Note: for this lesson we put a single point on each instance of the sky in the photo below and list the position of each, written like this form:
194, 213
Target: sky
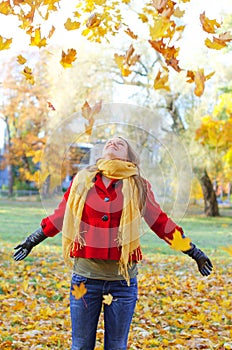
193, 46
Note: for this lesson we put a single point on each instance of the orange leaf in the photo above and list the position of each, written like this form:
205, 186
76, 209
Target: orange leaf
80, 291
174, 63
69, 25
93, 21
67, 59
178, 242
209, 25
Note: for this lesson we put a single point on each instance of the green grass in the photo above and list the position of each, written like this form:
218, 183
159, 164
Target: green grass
19, 219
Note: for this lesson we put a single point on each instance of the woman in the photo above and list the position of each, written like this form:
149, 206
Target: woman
100, 217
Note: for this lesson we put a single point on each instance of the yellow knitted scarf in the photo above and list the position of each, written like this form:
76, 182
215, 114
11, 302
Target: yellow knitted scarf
129, 228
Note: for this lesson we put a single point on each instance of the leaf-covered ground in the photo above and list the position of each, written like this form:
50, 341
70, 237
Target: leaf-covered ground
177, 308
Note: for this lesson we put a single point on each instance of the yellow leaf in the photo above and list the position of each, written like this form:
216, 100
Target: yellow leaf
21, 59
27, 72
5, 8
5, 43
215, 44
161, 81
67, 59
69, 25
36, 39
178, 242
80, 291
178, 13
143, 17
160, 28
107, 299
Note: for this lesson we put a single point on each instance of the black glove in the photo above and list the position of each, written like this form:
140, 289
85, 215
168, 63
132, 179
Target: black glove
26, 246
204, 264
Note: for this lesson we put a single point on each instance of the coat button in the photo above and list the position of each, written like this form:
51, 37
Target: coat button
105, 217
106, 199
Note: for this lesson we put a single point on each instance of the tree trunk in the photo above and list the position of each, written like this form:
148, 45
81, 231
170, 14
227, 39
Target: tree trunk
210, 199
10, 180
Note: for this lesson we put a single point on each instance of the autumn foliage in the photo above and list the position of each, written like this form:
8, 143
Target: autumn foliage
159, 23
176, 308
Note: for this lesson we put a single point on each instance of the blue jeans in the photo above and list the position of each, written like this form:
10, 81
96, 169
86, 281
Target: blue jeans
85, 312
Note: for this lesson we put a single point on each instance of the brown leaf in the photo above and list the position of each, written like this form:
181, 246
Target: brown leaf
131, 34
93, 21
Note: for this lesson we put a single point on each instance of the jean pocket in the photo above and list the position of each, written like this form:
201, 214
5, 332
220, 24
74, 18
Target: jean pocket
78, 279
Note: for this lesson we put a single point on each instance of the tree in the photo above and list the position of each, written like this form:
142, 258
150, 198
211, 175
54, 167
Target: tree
215, 135
24, 111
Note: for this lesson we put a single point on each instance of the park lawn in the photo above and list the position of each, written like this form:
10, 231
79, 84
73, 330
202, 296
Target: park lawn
177, 307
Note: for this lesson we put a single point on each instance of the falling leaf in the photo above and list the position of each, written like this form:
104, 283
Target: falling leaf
199, 78
89, 114
178, 13
93, 21
72, 25
6, 8
220, 42
21, 59
79, 291
36, 39
50, 105
5, 43
51, 32
131, 34
27, 72
160, 28
209, 25
107, 299
161, 81
178, 242
143, 17
68, 59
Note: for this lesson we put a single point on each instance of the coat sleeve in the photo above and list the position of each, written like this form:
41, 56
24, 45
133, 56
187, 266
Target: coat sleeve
52, 224
157, 219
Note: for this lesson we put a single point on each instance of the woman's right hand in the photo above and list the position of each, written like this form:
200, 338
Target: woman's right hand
24, 248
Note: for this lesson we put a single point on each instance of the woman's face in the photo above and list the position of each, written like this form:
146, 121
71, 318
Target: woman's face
115, 148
